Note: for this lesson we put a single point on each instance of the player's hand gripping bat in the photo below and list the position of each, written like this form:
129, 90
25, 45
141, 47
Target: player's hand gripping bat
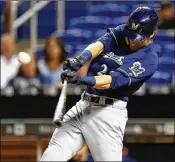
60, 108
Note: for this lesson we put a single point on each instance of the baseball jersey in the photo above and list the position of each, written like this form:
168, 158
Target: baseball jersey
129, 69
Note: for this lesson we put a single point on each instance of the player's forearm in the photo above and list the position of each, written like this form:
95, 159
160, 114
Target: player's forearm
95, 49
105, 86
89, 53
99, 82
103, 81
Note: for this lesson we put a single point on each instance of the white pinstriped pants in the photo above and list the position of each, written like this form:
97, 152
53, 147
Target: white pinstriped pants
101, 127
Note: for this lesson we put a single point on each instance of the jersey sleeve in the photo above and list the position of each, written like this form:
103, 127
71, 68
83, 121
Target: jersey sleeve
132, 73
108, 40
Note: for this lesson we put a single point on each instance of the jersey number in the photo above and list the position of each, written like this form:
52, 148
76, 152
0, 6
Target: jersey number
104, 71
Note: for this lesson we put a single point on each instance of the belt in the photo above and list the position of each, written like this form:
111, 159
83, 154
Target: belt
102, 100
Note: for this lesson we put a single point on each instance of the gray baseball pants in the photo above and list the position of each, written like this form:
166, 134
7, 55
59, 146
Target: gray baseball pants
100, 126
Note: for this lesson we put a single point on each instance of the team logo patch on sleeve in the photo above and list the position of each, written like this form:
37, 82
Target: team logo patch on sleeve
136, 68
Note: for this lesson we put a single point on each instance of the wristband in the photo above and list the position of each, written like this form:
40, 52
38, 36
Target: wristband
86, 80
85, 56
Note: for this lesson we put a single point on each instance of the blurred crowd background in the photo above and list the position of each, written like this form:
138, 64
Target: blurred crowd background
63, 29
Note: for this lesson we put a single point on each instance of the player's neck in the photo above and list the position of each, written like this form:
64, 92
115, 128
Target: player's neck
148, 42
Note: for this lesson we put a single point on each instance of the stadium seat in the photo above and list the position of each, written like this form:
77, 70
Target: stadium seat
166, 63
24, 30
166, 46
118, 21
114, 2
44, 28
70, 50
78, 31
149, 4
80, 47
110, 10
158, 48
75, 35
74, 9
40, 51
90, 22
169, 47
99, 33
127, 2
68, 38
163, 36
160, 78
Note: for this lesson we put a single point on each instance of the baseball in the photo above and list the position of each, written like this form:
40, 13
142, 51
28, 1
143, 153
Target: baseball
24, 58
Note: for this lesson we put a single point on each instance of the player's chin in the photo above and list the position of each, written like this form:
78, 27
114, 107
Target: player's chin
132, 47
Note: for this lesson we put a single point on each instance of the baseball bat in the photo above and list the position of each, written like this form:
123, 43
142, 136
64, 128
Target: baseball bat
60, 108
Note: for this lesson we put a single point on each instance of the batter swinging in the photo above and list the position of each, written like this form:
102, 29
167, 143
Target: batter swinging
120, 62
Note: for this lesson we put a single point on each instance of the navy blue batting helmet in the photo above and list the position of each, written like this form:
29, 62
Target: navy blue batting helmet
141, 24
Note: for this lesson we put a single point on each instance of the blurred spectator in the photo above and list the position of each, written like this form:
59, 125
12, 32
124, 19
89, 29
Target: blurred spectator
166, 16
5, 16
9, 62
51, 66
27, 81
125, 155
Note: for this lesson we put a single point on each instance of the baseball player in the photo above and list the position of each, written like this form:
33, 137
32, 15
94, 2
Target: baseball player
119, 63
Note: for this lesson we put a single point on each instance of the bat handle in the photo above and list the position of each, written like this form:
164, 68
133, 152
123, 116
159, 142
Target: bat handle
57, 121
65, 83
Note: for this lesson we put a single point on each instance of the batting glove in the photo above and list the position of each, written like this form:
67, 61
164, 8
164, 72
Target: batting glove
69, 76
73, 64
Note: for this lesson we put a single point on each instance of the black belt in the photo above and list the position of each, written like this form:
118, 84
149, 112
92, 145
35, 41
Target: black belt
96, 99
